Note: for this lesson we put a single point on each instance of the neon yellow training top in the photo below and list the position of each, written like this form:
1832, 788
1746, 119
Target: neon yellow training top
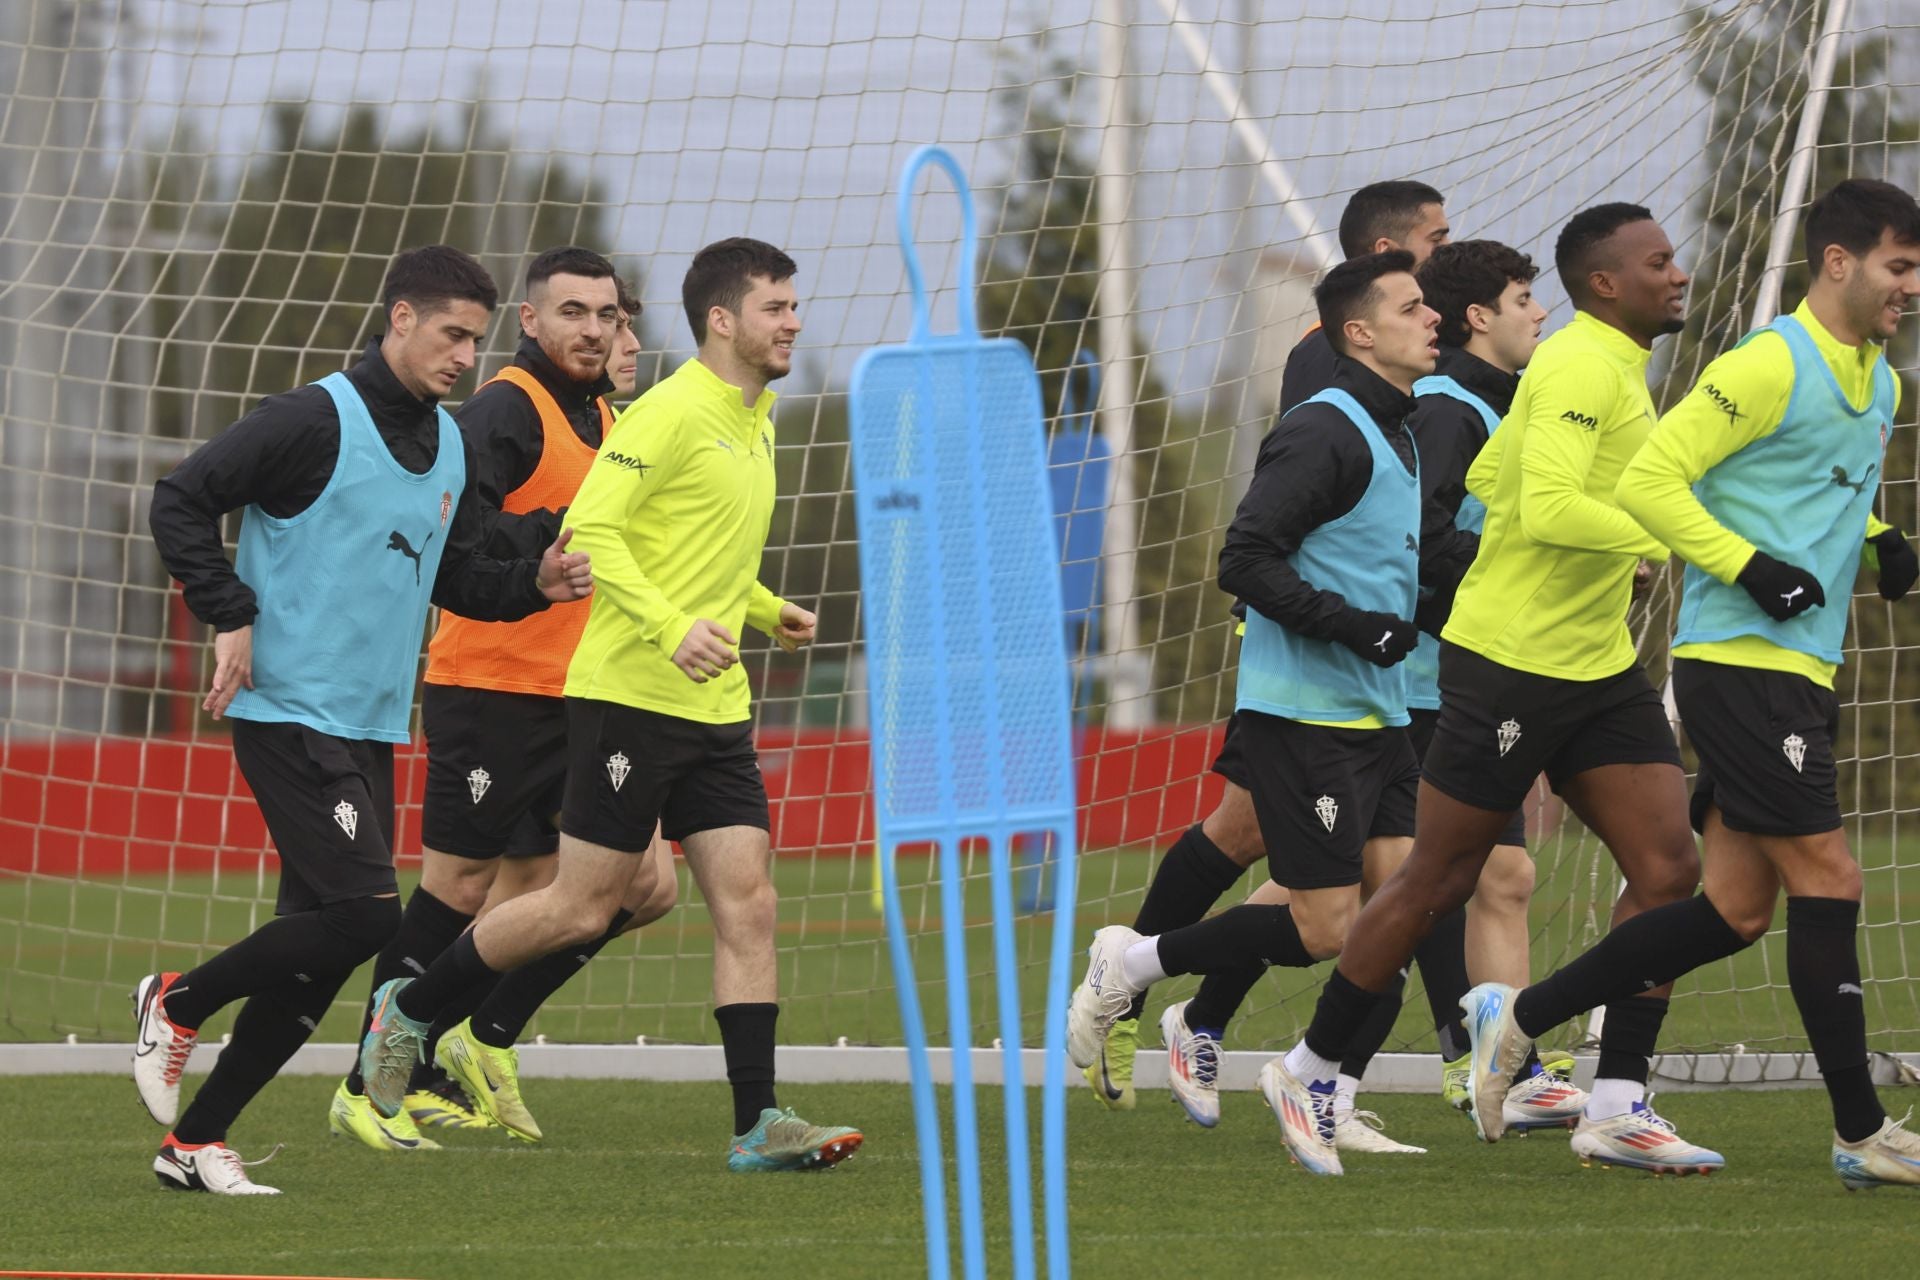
1697, 433
1548, 592
674, 512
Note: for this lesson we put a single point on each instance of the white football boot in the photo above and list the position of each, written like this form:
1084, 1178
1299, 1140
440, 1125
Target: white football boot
1103, 996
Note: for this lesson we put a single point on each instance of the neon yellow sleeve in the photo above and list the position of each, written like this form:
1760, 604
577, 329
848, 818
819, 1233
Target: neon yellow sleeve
1738, 399
763, 608
610, 498
1569, 403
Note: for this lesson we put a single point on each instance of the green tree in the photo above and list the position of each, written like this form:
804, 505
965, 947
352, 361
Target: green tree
1040, 272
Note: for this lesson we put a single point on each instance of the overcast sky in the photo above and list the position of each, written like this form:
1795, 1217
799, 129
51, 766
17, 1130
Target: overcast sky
790, 119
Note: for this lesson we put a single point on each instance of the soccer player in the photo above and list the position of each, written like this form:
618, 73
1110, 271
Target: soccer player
1763, 479
1209, 858
480, 1044
360, 509
1324, 549
1381, 216
1489, 328
492, 709
659, 728
1538, 674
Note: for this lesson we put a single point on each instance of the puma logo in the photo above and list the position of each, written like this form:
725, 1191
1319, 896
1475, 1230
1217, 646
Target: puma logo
1412, 545
397, 541
1858, 486
1381, 643
1788, 596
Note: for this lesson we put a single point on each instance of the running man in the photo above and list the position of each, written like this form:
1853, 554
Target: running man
1538, 673
1324, 549
360, 510
1209, 858
492, 710
659, 729
474, 1038
1489, 329
1763, 479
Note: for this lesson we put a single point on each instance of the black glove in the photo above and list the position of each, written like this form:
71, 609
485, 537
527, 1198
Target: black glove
1899, 567
1380, 638
1783, 591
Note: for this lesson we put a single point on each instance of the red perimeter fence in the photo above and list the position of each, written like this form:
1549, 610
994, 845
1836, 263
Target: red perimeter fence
118, 806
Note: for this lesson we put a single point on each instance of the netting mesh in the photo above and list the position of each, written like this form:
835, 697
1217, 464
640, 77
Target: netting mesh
197, 200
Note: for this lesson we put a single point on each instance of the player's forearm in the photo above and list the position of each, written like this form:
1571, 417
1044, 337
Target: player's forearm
763, 608
188, 538
1657, 491
1556, 516
1272, 587
478, 585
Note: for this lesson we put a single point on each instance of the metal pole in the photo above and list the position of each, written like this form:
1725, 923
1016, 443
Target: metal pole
1279, 179
1127, 683
1793, 192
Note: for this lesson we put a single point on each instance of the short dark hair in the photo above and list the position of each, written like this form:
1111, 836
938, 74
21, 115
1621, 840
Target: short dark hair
1577, 251
624, 297
1353, 288
1470, 273
433, 277
567, 260
722, 275
1388, 209
1855, 213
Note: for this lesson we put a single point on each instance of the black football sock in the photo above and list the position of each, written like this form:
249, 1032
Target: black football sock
1238, 936
336, 938
1343, 1009
1374, 1031
427, 928
1627, 1038
427, 1072
519, 995
1823, 969
1220, 997
1186, 884
1443, 972
746, 1041
272, 1025
453, 971
1648, 951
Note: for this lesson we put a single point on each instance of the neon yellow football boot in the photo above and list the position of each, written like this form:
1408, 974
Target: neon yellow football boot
491, 1077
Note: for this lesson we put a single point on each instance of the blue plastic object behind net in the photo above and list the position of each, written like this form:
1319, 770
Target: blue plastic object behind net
969, 701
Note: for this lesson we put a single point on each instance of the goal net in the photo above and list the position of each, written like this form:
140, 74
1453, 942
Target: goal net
198, 199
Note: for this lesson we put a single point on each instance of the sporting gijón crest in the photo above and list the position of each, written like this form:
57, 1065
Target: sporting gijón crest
348, 817
477, 782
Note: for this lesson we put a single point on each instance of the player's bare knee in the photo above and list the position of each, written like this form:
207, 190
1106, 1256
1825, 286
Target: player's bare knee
750, 911
653, 902
1506, 882
1667, 879
1234, 828
460, 883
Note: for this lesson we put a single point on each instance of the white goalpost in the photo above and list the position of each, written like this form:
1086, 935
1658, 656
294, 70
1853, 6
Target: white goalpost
197, 200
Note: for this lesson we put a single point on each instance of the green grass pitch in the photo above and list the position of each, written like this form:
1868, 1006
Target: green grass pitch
632, 1181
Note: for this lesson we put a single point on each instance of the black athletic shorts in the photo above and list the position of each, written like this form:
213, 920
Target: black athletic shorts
328, 803
1765, 740
628, 768
1320, 794
1420, 727
1500, 728
496, 771
1230, 764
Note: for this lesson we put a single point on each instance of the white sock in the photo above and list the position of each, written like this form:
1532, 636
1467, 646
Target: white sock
1308, 1067
1612, 1098
1343, 1090
1141, 964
